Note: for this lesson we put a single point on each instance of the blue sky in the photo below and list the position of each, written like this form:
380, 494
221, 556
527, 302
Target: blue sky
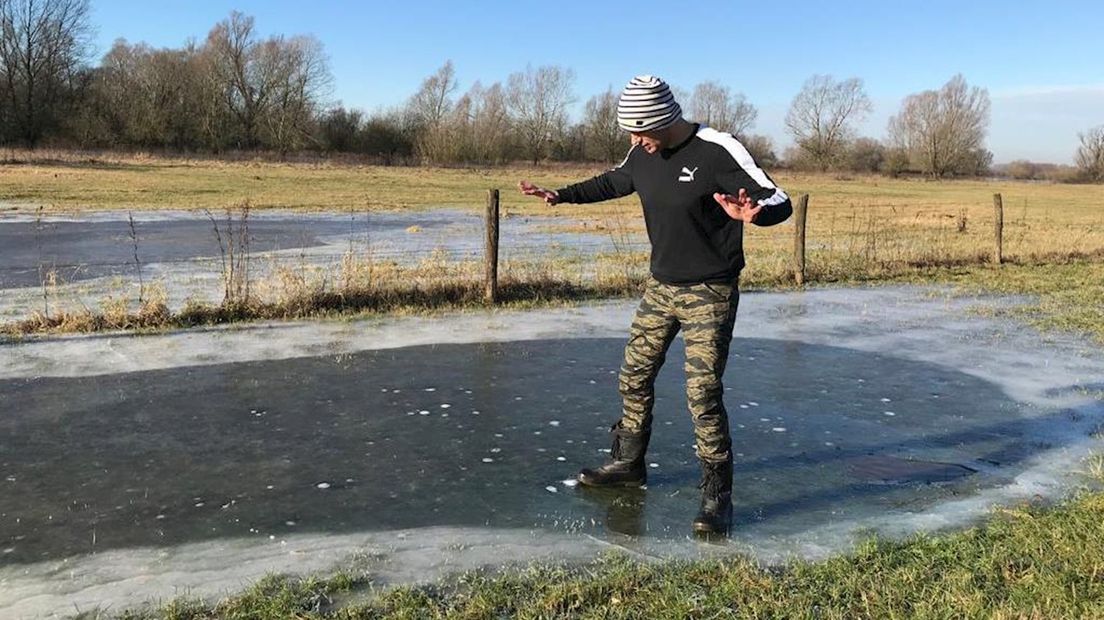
1043, 63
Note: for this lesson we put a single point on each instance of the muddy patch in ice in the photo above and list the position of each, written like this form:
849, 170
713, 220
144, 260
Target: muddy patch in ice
880, 469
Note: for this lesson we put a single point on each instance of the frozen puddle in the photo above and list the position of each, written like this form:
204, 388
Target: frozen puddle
135, 468
93, 254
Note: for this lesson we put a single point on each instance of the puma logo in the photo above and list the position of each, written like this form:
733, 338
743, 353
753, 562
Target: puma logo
687, 174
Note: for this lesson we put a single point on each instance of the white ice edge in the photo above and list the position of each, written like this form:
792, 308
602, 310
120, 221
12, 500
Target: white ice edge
912, 323
919, 324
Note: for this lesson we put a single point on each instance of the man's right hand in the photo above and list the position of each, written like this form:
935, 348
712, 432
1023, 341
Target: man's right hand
549, 196
739, 207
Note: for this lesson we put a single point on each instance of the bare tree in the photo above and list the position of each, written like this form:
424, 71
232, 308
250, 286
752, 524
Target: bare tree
433, 101
570, 143
299, 76
1090, 155
219, 126
1021, 169
446, 140
489, 122
719, 108
118, 111
475, 129
231, 46
537, 100
761, 149
174, 93
978, 162
130, 93
43, 43
269, 86
605, 140
7, 66
821, 117
202, 121
148, 97
429, 108
943, 131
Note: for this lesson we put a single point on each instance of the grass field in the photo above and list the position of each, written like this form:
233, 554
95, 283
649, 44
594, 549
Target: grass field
63, 180
860, 229
877, 218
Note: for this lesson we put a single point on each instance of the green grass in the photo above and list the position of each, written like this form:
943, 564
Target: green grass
1070, 296
1025, 562
1060, 297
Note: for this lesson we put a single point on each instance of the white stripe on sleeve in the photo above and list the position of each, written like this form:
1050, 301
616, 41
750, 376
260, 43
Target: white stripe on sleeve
627, 155
745, 161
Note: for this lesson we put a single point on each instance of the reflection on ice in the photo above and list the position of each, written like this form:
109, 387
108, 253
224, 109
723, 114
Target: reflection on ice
232, 448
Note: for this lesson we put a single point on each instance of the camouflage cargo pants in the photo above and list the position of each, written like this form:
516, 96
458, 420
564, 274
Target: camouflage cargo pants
705, 313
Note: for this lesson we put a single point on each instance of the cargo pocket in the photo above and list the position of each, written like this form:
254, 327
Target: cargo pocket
720, 291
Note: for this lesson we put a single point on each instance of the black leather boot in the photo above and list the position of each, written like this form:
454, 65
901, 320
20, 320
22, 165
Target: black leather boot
627, 468
715, 515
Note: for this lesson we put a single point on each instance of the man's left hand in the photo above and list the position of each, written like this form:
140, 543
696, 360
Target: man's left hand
739, 207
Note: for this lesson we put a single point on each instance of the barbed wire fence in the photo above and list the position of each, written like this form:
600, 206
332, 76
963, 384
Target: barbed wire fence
821, 245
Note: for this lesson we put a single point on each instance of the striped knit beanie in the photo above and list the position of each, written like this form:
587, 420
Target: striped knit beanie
647, 104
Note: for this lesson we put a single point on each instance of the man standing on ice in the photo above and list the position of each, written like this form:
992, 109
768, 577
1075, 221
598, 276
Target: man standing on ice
698, 187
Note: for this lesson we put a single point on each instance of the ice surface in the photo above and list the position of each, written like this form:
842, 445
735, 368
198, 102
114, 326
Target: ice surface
137, 466
93, 254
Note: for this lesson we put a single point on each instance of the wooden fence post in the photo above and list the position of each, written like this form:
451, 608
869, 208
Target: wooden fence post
998, 229
490, 291
801, 209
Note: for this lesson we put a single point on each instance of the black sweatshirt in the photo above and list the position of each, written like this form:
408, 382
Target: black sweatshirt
693, 239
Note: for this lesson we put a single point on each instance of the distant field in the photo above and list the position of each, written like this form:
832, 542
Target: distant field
70, 182
133, 183
870, 223
860, 228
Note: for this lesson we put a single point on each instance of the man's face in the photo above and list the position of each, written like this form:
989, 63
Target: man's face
650, 141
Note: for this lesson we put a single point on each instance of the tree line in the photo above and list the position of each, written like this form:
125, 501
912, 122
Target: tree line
235, 90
